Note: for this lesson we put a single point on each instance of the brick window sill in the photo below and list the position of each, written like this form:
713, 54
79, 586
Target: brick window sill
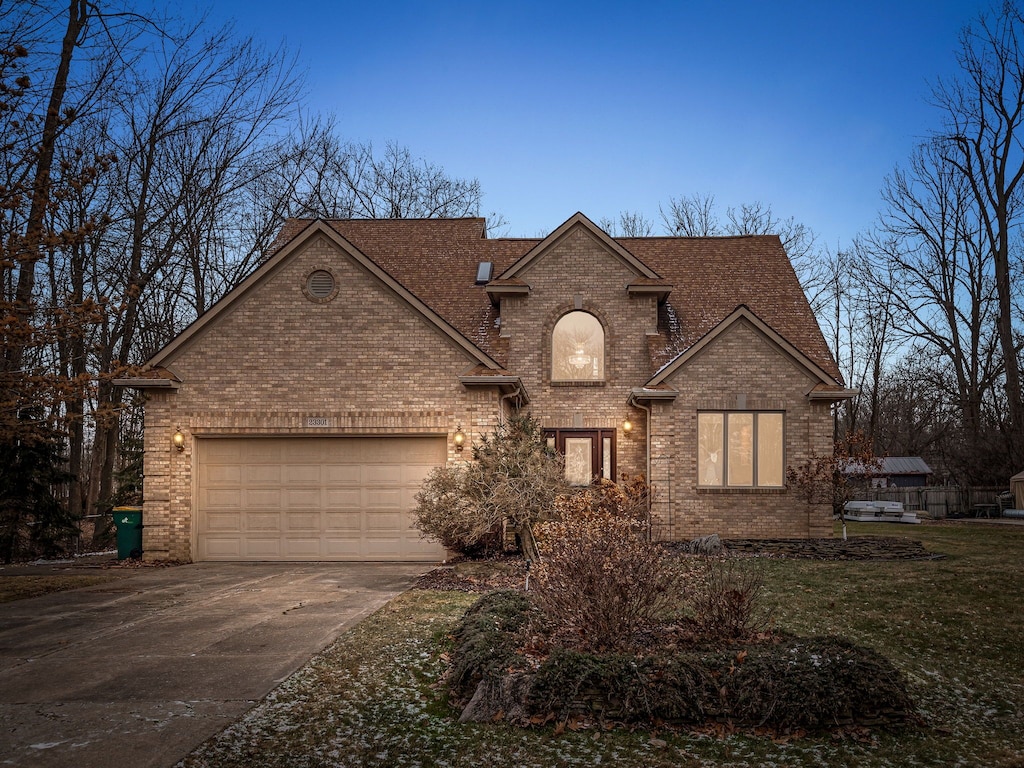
744, 491
578, 383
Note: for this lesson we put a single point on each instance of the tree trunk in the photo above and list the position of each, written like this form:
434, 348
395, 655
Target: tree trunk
30, 253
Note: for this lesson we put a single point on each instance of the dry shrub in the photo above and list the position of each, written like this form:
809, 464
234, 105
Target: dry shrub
727, 600
601, 581
787, 684
444, 513
513, 480
486, 641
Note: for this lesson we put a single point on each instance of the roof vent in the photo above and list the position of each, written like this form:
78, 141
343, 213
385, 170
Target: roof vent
483, 272
320, 285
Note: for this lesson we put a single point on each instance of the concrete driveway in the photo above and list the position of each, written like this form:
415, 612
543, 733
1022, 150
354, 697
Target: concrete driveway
140, 670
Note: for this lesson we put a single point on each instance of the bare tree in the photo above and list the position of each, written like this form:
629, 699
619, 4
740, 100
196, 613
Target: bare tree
186, 122
628, 224
697, 216
691, 216
929, 257
318, 174
981, 136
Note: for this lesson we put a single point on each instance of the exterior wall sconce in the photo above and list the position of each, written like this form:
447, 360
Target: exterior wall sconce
178, 440
627, 426
459, 438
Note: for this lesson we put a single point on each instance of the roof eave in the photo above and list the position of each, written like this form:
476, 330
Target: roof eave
644, 393
833, 395
660, 291
508, 384
142, 383
497, 292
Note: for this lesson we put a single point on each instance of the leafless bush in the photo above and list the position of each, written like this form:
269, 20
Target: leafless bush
513, 480
444, 513
601, 580
727, 600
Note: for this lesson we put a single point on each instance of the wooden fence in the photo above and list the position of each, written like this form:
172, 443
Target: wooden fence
934, 501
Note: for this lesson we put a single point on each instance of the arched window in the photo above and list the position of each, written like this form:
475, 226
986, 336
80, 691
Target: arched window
577, 348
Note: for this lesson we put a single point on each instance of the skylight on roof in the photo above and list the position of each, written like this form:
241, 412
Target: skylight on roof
483, 272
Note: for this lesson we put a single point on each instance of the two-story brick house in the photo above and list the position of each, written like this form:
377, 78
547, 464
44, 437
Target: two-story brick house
296, 419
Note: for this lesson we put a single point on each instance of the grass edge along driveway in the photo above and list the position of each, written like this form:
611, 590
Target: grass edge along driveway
375, 698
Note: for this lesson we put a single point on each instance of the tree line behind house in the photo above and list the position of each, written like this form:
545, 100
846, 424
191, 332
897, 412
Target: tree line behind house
148, 164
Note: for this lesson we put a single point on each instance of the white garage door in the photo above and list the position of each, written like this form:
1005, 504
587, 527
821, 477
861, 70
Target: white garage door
313, 498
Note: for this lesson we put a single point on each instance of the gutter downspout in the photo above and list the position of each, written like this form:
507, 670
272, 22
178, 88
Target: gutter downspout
650, 494
501, 402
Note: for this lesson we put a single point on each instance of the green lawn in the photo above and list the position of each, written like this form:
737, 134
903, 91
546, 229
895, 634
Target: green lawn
953, 626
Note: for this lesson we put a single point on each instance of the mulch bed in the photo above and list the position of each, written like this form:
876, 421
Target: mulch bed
510, 573
503, 573
853, 548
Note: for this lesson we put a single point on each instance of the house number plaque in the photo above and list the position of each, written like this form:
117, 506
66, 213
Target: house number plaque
318, 421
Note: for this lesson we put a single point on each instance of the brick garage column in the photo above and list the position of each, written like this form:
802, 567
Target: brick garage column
156, 468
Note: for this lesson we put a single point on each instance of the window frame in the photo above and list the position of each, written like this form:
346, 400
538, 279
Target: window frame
555, 377
755, 450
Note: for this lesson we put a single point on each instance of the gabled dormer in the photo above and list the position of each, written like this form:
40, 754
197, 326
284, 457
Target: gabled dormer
513, 281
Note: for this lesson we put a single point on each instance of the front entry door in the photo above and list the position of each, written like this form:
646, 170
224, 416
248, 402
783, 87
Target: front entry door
589, 453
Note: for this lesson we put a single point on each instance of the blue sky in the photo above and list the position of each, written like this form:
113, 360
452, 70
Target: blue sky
601, 107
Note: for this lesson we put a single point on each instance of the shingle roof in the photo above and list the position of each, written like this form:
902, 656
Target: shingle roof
437, 259
905, 465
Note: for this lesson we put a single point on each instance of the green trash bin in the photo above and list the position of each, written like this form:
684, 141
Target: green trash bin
129, 532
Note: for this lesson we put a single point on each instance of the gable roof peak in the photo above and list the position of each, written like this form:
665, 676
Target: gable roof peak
579, 221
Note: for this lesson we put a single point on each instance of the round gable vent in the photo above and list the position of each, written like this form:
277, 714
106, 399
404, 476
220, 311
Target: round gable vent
320, 285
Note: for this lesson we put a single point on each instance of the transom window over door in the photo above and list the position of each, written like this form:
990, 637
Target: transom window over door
589, 453
577, 348
739, 449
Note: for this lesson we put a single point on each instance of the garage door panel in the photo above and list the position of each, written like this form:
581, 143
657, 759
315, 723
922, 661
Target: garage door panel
217, 548
342, 474
261, 475
302, 521
261, 497
222, 451
377, 498
417, 548
222, 474
415, 473
263, 521
301, 549
313, 498
343, 521
382, 474
386, 521
408, 497
343, 498
261, 451
222, 498
301, 498
343, 548
300, 474
383, 547
224, 522
257, 548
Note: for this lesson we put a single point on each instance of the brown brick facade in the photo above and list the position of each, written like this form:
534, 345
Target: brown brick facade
365, 361
740, 371
369, 360
579, 273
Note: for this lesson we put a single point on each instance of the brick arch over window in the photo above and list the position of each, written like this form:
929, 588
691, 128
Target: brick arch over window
578, 348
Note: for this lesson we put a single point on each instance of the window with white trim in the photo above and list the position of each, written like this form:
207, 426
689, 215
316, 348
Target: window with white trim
740, 449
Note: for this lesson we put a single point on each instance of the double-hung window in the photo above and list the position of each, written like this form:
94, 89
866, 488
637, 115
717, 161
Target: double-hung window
740, 449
